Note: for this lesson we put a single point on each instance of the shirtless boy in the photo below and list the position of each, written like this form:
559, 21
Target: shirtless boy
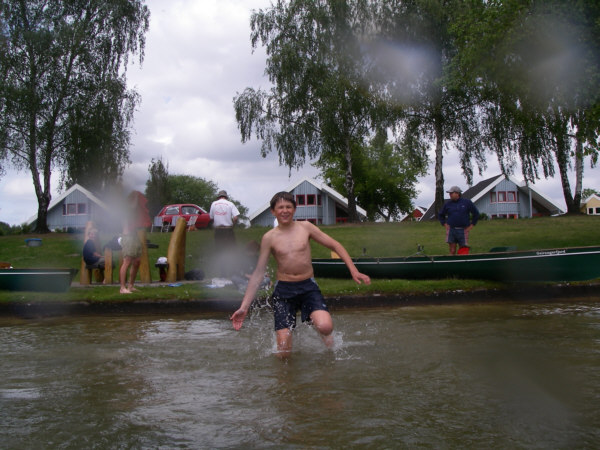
295, 289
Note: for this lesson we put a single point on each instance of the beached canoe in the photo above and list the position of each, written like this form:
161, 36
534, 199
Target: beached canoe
561, 264
42, 280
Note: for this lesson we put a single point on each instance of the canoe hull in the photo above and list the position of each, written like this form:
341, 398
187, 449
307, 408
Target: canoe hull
566, 264
41, 280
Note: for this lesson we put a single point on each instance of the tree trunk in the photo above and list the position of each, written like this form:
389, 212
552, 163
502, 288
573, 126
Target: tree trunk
562, 159
42, 193
439, 173
578, 172
352, 214
41, 225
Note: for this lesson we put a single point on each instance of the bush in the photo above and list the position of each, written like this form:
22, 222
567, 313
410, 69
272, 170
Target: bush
6, 229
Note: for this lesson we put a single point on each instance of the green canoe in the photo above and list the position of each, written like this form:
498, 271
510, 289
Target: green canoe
42, 280
561, 264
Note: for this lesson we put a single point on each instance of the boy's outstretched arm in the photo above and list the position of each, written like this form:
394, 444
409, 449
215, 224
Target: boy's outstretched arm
327, 241
237, 318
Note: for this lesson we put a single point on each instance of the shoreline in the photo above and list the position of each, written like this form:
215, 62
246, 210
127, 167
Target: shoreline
225, 306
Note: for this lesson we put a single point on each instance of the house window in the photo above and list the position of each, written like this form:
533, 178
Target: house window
301, 200
504, 216
597, 210
73, 209
311, 199
503, 197
319, 200
590, 211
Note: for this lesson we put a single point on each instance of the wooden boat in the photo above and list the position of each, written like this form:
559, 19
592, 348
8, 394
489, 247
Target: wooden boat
560, 264
42, 280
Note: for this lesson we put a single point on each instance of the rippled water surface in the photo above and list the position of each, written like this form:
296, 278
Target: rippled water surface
477, 376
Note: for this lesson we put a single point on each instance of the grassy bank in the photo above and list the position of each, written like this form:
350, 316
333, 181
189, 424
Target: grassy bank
377, 239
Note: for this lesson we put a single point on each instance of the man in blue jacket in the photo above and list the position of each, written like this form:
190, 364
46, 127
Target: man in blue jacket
459, 215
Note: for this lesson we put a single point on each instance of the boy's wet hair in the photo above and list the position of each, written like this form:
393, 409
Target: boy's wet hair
286, 196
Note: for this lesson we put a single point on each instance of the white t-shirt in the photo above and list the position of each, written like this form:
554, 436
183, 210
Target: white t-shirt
222, 212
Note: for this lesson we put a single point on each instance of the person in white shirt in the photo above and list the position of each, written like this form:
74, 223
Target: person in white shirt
223, 215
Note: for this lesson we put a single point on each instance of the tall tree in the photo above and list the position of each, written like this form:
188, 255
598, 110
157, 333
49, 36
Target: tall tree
537, 65
97, 149
190, 189
158, 189
386, 176
202, 192
60, 62
322, 101
415, 54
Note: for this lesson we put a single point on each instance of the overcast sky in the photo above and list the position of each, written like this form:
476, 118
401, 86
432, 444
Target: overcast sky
197, 57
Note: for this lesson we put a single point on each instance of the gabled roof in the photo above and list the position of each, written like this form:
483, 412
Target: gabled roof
73, 188
586, 201
474, 193
409, 216
322, 186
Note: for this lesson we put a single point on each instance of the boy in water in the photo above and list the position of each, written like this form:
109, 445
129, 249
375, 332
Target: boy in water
289, 242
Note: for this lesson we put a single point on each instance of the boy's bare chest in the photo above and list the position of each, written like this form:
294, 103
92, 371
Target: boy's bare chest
291, 243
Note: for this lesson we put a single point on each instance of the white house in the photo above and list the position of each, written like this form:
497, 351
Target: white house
74, 208
591, 205
315, 202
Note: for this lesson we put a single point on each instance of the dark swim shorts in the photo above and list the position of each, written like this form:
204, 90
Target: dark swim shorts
291, 296
457, 236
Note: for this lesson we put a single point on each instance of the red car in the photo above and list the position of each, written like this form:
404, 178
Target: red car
193, 215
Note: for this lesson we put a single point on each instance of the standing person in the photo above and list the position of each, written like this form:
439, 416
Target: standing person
295, 288
131, 247
459, 215
224, 215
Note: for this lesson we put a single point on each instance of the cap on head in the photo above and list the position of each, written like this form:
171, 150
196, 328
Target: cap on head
222, 194
454, 189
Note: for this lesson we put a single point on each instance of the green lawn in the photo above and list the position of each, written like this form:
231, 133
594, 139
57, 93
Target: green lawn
374, 239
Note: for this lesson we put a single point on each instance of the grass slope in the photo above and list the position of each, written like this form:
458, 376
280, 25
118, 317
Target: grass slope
372, 239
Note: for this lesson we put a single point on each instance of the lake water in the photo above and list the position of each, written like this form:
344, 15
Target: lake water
471, 376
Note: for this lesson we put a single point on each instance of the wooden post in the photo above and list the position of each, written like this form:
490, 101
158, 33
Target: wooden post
144, 271
108, 266
176, 252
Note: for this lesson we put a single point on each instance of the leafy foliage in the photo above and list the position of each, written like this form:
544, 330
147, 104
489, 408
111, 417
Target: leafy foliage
6, 229
417, 52
536, 66
320, 102
190, 189
386, 175
164, 189
158, 191
63, 100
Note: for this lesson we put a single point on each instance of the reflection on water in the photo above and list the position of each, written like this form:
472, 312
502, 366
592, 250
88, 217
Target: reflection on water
499, 375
